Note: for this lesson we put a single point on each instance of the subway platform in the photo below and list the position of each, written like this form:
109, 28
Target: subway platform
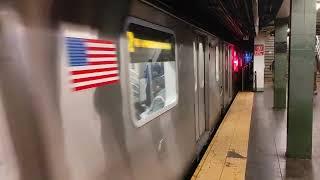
137, 89
266, 144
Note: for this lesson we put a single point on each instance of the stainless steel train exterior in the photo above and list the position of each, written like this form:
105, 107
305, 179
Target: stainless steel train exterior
49, 131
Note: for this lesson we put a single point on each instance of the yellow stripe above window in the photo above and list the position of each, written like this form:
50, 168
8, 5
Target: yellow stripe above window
142, 43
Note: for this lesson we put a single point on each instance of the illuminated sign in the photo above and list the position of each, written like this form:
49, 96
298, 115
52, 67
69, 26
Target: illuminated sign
247, 57
259, 50
235, 60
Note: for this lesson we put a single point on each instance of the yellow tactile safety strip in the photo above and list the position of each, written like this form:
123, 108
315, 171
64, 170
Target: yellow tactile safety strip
226, 156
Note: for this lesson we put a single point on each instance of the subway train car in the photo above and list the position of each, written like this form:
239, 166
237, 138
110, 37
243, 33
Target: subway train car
131, 93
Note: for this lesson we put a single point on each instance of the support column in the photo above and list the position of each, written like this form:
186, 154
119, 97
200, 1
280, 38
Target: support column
301, 68
280, 64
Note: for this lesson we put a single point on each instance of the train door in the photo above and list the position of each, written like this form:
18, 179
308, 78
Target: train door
199, 70
230, 60
213, 92
222, 56
225, 77
219, 55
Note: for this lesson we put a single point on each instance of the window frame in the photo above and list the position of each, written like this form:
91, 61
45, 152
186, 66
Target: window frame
143, 121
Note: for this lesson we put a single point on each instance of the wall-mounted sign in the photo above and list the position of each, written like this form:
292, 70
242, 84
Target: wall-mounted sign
259, 50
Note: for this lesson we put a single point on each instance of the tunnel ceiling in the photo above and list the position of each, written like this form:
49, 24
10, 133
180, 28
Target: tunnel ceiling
230, 19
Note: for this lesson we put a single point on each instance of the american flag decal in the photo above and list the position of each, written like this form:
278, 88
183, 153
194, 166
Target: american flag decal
92, 62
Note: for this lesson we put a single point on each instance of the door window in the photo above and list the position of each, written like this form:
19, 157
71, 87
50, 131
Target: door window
152, 71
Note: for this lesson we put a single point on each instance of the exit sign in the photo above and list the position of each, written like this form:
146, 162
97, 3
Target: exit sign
259, 50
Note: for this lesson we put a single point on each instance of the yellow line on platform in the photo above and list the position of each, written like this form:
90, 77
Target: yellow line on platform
226, 156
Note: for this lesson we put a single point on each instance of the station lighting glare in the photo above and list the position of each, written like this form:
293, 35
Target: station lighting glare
288, 30
318, 6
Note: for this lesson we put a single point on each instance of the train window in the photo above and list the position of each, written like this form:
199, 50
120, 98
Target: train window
152, 71
217, 63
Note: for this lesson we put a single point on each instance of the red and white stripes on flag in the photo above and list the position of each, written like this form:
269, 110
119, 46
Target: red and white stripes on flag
92, 62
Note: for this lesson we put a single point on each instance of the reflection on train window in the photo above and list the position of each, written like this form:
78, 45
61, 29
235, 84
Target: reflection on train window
152, 71
217, 63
